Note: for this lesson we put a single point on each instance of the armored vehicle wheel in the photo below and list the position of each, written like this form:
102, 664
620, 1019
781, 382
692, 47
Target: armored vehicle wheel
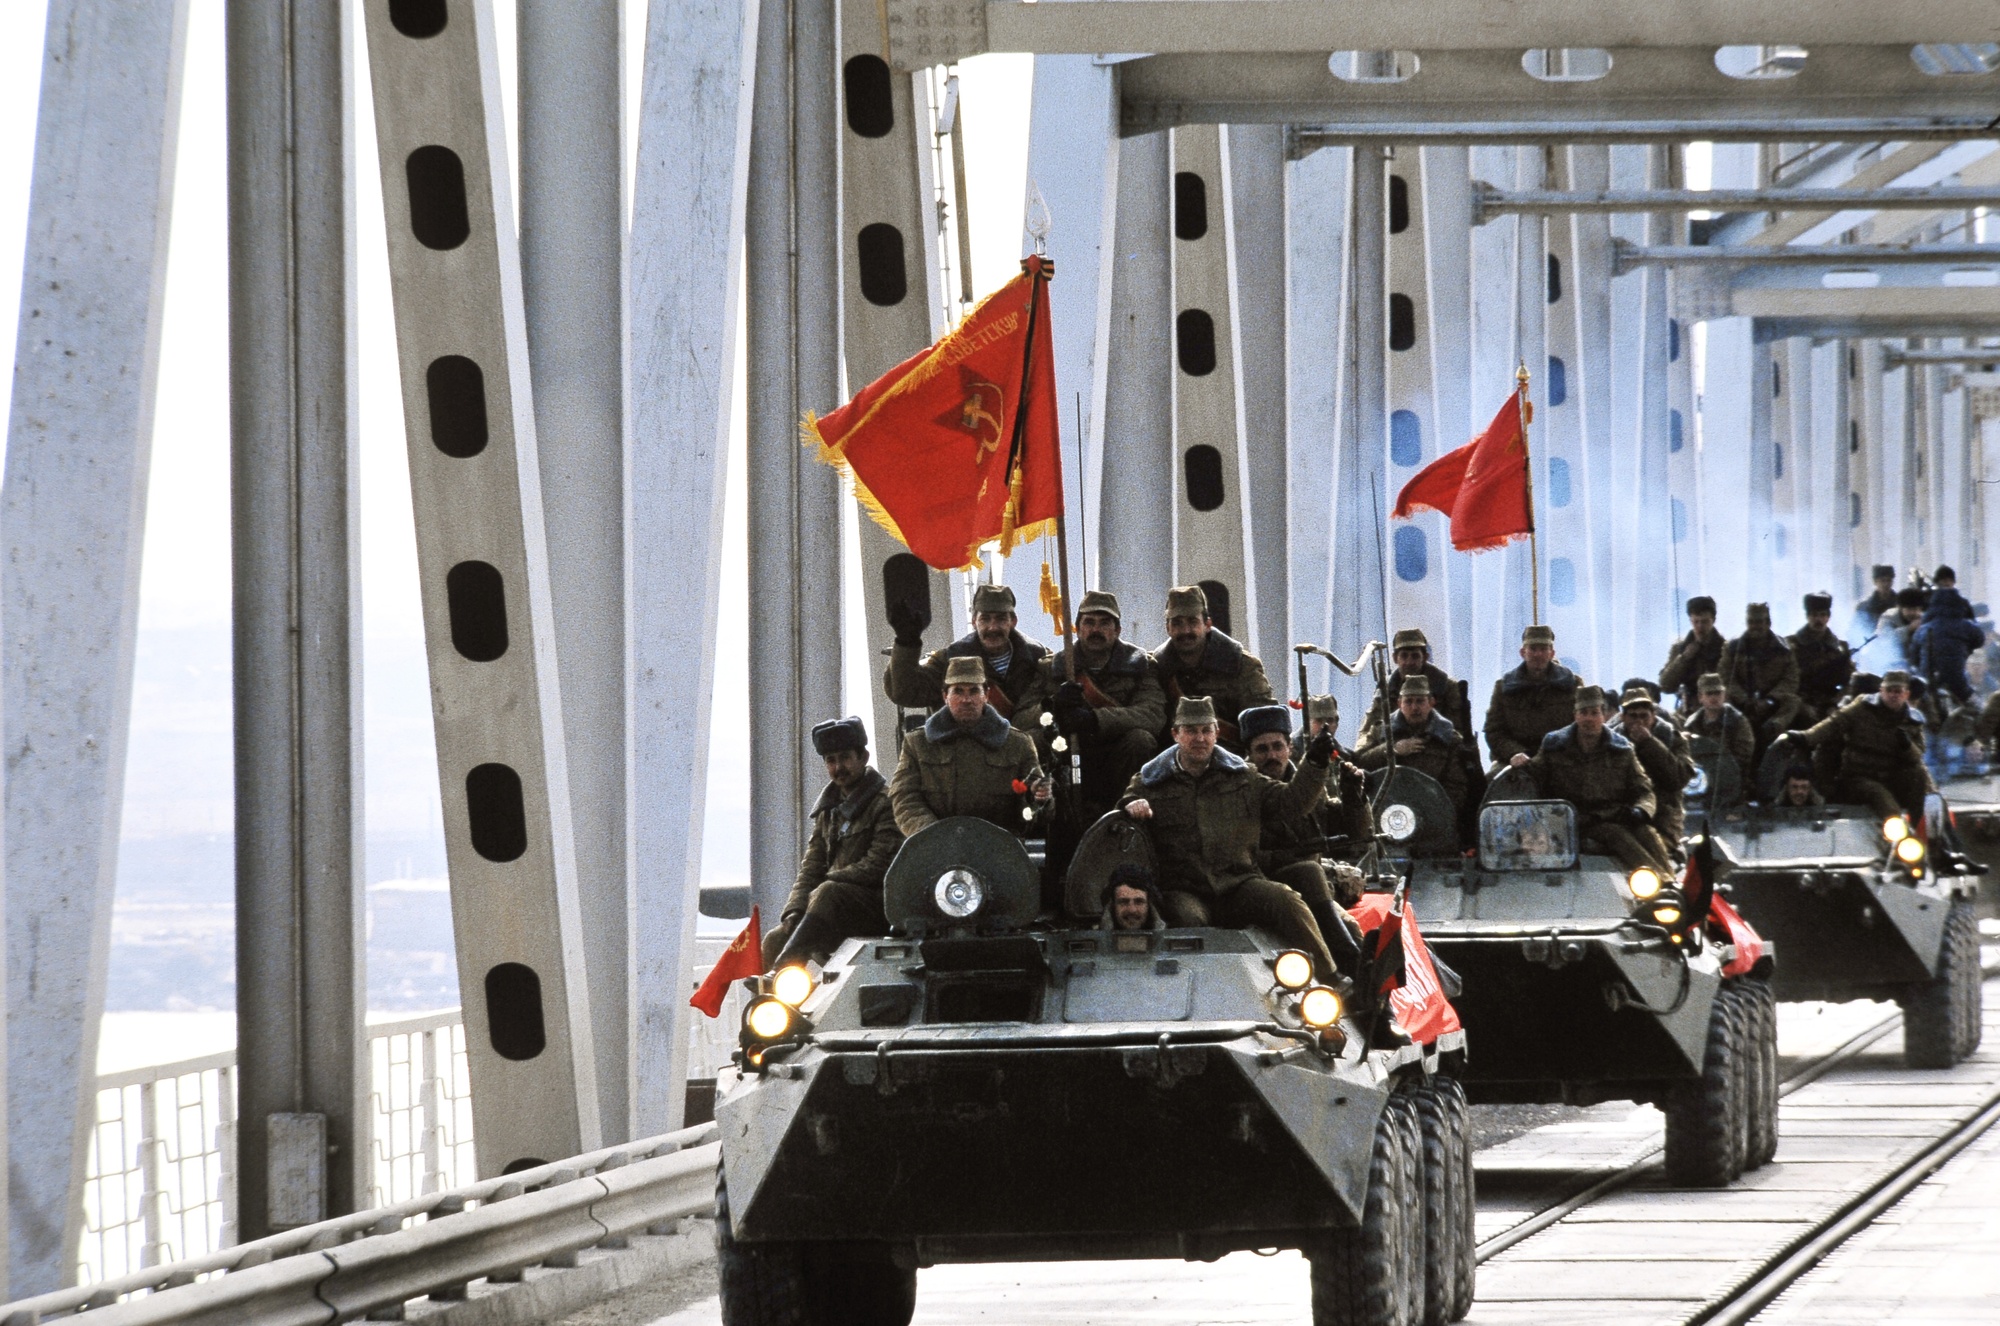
1934, 1030
1967, 931
1704, 1114
1411, 1278
1761, 1061
788, 1284
1448, 1202
1356, 1272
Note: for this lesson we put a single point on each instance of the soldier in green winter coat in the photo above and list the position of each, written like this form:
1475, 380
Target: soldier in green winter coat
1012, 665
1197, 661
966, 760
838, 892
1597, 771
1881, 740
1529, 702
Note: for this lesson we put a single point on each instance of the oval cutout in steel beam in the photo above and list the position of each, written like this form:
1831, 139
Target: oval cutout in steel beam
1760, 61
477, 598
871, 101
497, 816
883, 271
438, 216
418, 18
1190, 205
455, 390
1573, 64
1202, 466
1373, 66
514, 1021
1194, 342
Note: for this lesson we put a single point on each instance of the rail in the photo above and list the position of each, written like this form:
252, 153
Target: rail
372, 1263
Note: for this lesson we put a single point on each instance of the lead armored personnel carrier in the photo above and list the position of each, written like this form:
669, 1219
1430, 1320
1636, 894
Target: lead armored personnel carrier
1584, 982
977, 1086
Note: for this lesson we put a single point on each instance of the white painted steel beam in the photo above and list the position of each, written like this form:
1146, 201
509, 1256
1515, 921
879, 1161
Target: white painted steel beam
684, 303
1316, 339
72, 516
1489, 202
1803, 255
1211, 510
301, 941
1359, 569
572, 149
1257, 222
1447, 181
489, 624
1577, 429
1418, 551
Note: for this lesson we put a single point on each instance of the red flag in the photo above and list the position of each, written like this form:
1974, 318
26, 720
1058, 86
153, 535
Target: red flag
958, 444
1416, 996
743, 957
1482, 486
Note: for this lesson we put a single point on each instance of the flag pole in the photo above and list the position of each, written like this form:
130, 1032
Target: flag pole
1534, 546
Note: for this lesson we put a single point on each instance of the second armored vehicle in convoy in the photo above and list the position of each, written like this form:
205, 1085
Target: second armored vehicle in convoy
983, 1085
1585, 982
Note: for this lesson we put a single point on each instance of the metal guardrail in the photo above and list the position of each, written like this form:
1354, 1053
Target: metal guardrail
373, 1262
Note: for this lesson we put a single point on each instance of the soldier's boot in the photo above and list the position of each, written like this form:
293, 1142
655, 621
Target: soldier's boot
813, 940
1339, 932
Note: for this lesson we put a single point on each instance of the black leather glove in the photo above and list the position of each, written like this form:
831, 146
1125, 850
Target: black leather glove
1635, 817
906, 622
1082, 720
1320, 749
1069, 695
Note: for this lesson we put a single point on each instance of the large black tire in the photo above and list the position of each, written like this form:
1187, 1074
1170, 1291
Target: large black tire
1468, 1211
1410, 1124
1356, 1272
1704, 1114
762, 1284
1971, 979
871, 1291
1448, 1254
1762, 1058
1934, 1018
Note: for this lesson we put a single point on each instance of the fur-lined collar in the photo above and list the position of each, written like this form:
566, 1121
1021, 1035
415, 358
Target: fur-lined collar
991, 731
1026, 651
1559, 678
1440, 727
1167, 763
1219, 654
1911, 714
1564, 737
850, 806
1126, 659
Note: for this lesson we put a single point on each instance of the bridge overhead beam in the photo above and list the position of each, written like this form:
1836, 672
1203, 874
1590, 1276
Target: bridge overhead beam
1489, 202
1825, 257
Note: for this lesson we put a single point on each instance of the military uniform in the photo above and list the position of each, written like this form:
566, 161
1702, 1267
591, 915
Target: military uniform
1669, 764
1762, 676
1612, 795
1825, 663
1525, 708
1730, 728
1988, 726
1690, 657
838, 891
1113, 711
1882, 754
1442, 756
947, 770
1869, 611
1447, 691
1017, 694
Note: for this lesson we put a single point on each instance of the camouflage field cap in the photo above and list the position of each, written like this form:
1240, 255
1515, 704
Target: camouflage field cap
1636, 696
1591, 697
1701, 603
1819, 602
1260, 719
1325, 708
1187, 601
1710, 683
1895, 677
839, 734
1757, 614
1538, 635
1194, 711
965, 670
1415, 688
1100, 600
993, 598
1410, 639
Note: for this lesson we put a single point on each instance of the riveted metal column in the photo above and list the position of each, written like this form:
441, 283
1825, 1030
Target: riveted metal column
1136, 520
686, 264
489, 628
72, 514
1419, 549
1317, 211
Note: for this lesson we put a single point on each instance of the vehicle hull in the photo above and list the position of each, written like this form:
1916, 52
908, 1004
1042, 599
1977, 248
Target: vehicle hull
1842, 934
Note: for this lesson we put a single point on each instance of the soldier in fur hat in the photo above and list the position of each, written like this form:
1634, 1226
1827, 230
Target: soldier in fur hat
1697, 652
1412, 651
838, 892
1869, 611
1825, 662
1016, 680
1106, 698
966, 760
1196, 661
1293, 851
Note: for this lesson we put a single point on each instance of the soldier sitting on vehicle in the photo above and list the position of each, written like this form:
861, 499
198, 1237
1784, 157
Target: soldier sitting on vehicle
966, 760
1596, 770
1824, 659
1107, 699
1880, 600
1664, 755
1882, 749
1422, 739
1530, 701
1762, 676
1721, 722
1412, 652
1798, 790
1016, 683
838, 892
1196, 660
1293, 850
1697, 652
1131, 900
1207, 809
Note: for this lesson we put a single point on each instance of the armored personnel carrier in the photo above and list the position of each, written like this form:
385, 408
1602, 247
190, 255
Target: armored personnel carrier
981, 1086
1584, 982
1862, 909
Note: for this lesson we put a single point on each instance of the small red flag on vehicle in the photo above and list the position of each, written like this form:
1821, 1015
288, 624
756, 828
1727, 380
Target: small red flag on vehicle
1482, 486
744, 957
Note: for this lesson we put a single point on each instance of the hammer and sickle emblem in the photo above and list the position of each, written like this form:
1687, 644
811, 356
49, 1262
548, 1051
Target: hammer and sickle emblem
975, 417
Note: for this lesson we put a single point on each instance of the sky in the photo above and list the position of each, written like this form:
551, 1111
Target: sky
180, 710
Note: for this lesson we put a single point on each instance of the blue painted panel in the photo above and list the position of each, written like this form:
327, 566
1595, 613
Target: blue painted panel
1779, 544
1413, 556
1558, 381
1777, 460
1680, 521
1562, 582
1558, 481
1676, 431
1406, 437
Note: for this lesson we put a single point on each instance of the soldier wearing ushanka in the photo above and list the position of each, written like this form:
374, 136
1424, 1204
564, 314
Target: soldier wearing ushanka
1825, 662
1697, 652
838, 892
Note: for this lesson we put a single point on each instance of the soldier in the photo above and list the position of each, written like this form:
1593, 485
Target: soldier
1293, 850
1529, 702
1412, 652
1870, 610
1882, 749
1825, 662
1799, 791
1899, 623
1663, 753
1131, 900
1762, 676
1207, 809
1695, 653
1196, 661
1946, 638
966, 760
1721, 721
838, 892
1597, 771
1345, 814
1422, 738
1106, 699
1016, 682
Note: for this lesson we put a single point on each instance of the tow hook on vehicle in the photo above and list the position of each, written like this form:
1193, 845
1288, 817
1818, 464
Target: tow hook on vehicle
1553, 952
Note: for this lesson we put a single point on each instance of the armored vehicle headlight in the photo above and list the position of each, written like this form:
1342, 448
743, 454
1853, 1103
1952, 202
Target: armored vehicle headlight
959, 893
1399, 823
792, 985
1910, 851
1644, 882
1319, 1007
1895, 828
1293, 969
1667, 914
768, 1019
